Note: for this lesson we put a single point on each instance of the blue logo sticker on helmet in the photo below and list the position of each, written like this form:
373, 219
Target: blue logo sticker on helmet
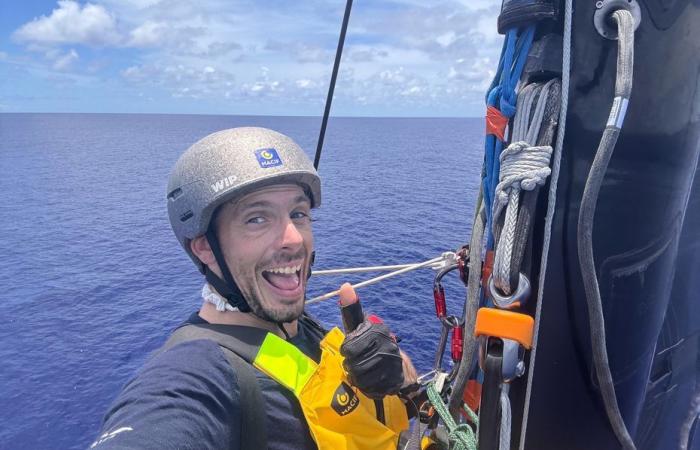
268, 157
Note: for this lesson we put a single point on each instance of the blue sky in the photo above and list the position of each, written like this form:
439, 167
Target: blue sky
402, 57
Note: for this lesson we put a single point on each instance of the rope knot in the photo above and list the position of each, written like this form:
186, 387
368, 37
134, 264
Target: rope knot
462, 437
523, 167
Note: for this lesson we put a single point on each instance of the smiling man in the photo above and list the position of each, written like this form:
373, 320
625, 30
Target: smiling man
270, 230
250, 370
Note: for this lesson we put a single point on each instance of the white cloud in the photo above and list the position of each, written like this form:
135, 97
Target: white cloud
64, 61
181, 80
137, 4
398, 52
413, 90
263, 86
302, 52
133, 73
357, 53
446, 39
70, 23
149, 34
304, 83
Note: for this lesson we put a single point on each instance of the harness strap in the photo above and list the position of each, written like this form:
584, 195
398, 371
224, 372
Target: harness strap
239, 350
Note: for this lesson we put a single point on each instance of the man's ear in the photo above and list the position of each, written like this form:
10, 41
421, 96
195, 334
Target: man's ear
201, 249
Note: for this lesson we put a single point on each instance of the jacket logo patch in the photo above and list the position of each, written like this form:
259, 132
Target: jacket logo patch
344, 400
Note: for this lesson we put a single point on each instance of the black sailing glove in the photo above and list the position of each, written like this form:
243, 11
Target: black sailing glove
372, 359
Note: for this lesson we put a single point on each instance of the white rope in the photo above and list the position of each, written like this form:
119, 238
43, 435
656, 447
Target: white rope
437, 265
551, 207
523, 167
444, 257
209, 295
504, 436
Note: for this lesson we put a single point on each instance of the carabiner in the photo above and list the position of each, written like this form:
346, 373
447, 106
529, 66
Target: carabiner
439, 291
449, 323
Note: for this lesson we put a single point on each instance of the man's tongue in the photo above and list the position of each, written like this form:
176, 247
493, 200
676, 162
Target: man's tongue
283, 281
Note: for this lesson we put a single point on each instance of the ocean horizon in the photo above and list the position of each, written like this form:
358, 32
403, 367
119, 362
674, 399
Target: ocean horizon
95, 279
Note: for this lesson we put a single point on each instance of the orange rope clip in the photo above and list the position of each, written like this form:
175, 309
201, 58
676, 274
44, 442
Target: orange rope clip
505, 324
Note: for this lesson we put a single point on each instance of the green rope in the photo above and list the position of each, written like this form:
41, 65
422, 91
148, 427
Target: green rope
461, 436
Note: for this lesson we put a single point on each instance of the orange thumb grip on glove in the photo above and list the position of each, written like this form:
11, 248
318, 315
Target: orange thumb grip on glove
350, 308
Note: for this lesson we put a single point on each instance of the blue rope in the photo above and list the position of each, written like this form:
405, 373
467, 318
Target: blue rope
501, 95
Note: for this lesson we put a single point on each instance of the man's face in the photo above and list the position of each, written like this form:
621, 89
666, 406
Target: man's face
267, 242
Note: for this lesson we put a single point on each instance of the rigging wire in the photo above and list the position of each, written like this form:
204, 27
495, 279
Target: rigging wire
331, 88
437, 265
447, 256
551, 207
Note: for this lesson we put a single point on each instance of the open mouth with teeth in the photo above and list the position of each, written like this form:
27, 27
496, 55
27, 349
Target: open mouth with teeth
285, 280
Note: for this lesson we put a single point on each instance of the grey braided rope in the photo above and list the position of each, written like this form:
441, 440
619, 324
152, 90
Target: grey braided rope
504, 435
523, 167
471, 306
623, 89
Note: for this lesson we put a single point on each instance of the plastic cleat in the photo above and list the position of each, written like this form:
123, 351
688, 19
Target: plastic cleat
505, 324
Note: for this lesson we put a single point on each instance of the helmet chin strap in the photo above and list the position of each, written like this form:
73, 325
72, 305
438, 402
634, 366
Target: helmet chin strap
227, 287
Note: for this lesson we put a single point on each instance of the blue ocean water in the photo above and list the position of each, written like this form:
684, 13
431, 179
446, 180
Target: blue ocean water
93, 279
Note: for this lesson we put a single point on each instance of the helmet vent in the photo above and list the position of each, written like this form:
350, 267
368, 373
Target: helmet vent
175, 194
186, 216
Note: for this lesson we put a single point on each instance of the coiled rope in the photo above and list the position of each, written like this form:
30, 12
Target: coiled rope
524, 167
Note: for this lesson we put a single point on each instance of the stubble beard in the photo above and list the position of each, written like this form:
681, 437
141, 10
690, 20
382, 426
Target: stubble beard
276, 314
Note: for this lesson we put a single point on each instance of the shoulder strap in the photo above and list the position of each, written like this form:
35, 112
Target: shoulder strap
243, 341
313, 325
239, 347
253, 417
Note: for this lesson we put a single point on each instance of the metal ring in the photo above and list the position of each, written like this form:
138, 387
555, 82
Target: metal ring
450, 321
604, 11
512, 365
521, 294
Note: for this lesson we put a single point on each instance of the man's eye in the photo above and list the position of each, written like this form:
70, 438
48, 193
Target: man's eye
256, 220
300, 215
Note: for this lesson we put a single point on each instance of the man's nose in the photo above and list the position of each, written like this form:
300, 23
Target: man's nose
291, 237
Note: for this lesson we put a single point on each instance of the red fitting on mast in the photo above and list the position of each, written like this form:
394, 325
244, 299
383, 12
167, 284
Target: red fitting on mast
440, 304
457, 343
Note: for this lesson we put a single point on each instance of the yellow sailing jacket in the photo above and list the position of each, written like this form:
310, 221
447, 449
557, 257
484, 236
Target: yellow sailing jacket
339, 416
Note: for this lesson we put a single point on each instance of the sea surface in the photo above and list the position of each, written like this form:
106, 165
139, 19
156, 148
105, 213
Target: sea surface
93, 279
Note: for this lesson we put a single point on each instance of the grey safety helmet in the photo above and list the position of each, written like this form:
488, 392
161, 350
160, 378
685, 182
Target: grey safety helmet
224, 166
